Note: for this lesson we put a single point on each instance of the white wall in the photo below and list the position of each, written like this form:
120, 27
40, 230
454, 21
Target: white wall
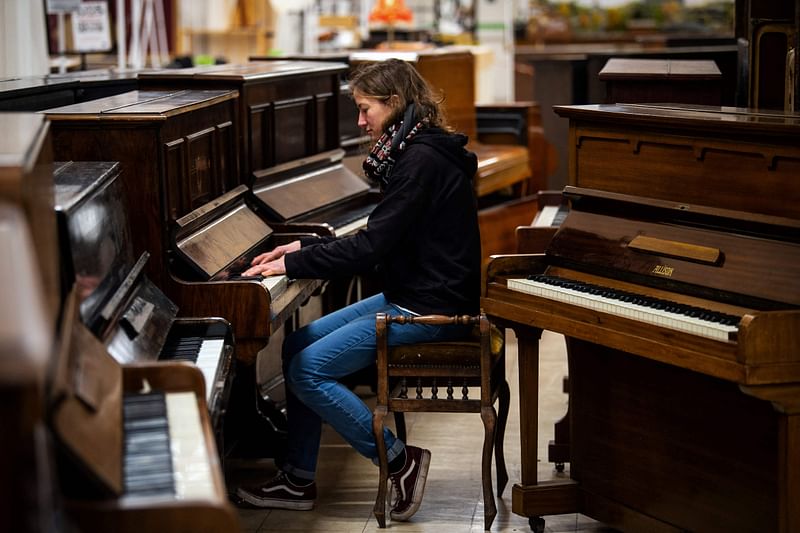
23, 41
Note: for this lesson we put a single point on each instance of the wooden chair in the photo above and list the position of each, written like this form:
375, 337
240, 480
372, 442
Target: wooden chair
439, 377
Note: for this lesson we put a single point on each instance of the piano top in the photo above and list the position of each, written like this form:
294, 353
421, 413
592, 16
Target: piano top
731, 119
33, 84
20, 150
140, 105
248, 72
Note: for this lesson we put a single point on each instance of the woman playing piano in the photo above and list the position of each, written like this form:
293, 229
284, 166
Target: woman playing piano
422, 240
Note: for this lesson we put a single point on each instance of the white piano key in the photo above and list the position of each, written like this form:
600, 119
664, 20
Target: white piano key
191, 460
546, 216
667, 319
208, 360
275, 285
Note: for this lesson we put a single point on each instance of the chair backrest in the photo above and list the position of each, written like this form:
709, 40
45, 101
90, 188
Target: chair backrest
463, 363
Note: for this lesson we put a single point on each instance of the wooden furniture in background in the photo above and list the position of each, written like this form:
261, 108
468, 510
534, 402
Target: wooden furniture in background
438, 377
236, 33
694, 81
770, 32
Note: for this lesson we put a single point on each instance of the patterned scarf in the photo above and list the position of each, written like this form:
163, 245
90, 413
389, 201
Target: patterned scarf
381, 158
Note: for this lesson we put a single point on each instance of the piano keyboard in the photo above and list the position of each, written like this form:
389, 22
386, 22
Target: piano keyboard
165, 454
204, 352
671, 315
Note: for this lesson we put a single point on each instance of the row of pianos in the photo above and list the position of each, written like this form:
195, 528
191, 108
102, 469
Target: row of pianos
130, 340
669, 264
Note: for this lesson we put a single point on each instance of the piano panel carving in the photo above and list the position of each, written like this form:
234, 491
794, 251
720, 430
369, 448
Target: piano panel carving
681, 317
286, 109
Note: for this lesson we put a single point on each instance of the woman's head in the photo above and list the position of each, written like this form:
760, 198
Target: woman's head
383, 89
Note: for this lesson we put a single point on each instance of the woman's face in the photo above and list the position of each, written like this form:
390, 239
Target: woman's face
372, 114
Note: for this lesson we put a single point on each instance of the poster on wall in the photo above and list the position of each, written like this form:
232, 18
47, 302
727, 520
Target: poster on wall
78, 27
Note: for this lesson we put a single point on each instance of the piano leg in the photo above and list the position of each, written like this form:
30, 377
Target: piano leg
531, 497
558, 449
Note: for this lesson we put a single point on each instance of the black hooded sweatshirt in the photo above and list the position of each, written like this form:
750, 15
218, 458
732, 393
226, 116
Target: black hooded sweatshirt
422, 238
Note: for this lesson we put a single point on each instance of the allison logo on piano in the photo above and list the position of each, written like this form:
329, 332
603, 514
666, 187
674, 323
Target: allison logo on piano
663, 270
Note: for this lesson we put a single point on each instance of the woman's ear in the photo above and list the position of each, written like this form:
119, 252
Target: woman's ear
394, 102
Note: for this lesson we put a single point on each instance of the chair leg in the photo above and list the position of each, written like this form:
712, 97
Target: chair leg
400, 425
489, 417
383, 465
504, 401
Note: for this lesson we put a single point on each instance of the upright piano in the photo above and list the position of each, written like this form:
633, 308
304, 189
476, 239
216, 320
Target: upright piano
674, 279
117, 302
179, 167
286, 110
135, 444
178, 153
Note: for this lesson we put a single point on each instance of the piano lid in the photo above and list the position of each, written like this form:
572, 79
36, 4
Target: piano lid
249, 71
306, 185
700, 117
86, 403
96, 251
218, 237
145, 105
736, 257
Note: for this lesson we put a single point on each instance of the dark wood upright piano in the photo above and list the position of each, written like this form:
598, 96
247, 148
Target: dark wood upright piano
117, 301
674, 278
178, 154
289, 129
136, 450
286, 110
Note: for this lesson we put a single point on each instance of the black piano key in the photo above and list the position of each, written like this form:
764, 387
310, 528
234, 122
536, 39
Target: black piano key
147, 458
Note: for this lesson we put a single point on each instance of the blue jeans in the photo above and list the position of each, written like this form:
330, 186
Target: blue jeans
316, 356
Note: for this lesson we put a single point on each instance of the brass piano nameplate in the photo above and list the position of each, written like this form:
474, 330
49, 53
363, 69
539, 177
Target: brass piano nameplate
679, 250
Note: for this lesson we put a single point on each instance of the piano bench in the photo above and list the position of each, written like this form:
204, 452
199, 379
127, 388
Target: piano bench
440, 377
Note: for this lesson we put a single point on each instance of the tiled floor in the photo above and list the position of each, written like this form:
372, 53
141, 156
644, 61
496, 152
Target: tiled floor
453, 503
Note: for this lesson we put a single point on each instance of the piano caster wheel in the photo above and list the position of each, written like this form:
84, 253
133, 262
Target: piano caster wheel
560, 468
536, 523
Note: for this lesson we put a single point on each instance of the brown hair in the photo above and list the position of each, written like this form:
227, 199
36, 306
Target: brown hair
383, 79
